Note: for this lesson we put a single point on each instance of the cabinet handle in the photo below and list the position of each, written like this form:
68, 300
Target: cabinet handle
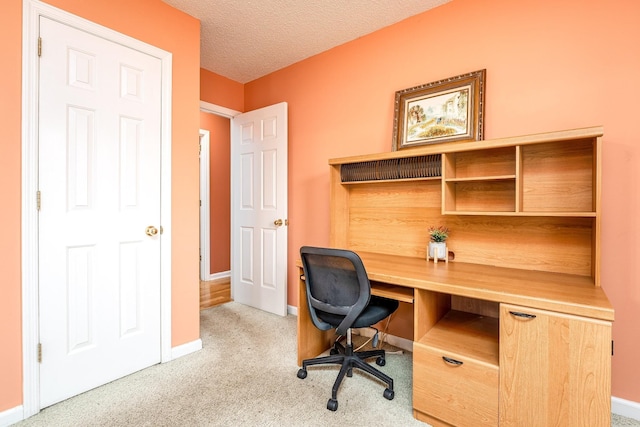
452, 361
521, 314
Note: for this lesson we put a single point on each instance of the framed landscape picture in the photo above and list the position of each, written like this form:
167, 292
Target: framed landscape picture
447, 110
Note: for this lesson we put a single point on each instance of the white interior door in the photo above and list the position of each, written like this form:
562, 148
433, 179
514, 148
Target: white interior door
99, 220
259, 208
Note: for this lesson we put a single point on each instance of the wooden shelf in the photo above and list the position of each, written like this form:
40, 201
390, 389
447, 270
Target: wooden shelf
480, 164
525, 214
398, 293
534, 139
480, 195
547, 177
528, 202
467, 335
484, 178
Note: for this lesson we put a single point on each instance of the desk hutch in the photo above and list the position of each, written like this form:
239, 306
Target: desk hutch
515, 329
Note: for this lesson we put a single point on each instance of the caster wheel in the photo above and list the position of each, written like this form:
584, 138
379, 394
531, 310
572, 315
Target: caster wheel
333, 351
388, 394
380, 361
302, 374
332, 404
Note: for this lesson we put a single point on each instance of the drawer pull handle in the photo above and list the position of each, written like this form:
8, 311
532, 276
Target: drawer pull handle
451, 361
524, 315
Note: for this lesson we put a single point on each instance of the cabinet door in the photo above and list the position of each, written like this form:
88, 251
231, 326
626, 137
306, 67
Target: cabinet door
555, 369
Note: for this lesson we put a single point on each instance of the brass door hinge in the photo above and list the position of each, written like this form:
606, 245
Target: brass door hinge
38, 199
39, 352
39, 46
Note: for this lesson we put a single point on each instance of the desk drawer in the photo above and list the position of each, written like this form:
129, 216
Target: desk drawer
463, 394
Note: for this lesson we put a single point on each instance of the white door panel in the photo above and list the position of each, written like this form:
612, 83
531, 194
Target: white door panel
99, 179
258, 200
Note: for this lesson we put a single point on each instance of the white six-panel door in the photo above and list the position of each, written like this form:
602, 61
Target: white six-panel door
259, 208
99, 220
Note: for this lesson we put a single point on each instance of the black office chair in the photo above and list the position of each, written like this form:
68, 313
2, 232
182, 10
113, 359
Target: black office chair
339, 296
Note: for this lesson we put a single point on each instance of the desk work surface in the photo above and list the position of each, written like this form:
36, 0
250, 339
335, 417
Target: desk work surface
563, 293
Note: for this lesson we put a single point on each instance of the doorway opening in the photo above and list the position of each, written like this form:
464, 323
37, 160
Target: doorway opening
215, 199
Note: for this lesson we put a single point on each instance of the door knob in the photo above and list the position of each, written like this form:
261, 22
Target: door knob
151, 231
277, 222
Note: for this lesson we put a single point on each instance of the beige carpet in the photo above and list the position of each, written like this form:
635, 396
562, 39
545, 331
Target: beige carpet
245, 375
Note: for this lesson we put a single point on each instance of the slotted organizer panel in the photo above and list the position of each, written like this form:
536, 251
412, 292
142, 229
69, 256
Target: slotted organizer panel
427, 166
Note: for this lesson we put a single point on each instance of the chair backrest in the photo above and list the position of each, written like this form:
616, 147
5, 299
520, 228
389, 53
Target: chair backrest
336, 283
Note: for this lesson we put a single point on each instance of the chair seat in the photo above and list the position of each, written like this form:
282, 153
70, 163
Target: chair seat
378, 309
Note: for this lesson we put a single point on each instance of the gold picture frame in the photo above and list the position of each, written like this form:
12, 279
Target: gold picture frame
443, 111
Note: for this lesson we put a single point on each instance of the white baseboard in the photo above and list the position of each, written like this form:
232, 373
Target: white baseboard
626, 408
292, 310
11, 416
220, 275
184, 349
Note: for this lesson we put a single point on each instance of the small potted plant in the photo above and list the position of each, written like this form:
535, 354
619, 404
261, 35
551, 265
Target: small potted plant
437, 246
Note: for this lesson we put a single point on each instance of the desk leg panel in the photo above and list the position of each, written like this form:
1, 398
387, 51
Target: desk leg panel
311, 340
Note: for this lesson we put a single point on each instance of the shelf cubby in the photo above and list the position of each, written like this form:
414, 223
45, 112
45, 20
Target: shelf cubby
558, 177
480, 164
496, 194
465, 334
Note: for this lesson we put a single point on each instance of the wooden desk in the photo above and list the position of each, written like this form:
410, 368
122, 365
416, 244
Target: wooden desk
569, 349
520, 305
570, 294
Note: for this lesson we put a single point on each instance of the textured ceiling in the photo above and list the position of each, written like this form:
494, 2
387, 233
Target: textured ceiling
246, 39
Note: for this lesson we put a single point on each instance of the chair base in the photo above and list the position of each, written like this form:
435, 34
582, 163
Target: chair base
345, 356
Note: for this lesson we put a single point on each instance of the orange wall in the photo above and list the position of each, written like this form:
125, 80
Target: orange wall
219, 190
220, 90
158, 24
550, 66
10, 290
